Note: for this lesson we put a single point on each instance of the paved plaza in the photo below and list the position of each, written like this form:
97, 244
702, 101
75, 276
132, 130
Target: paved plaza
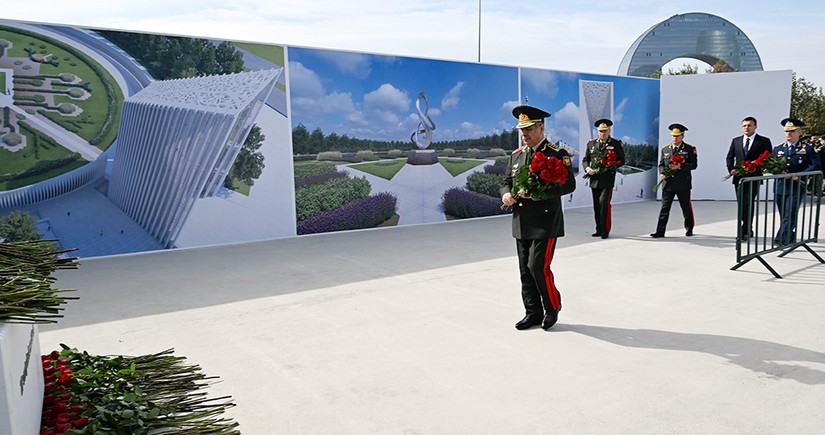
409, 330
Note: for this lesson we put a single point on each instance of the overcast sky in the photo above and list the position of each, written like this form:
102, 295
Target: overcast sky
583, 36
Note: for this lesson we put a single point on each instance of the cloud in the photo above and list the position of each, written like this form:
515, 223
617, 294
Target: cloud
618, 112
386, 104
566, 124
451, 99
354, 64
304, 82
543, 81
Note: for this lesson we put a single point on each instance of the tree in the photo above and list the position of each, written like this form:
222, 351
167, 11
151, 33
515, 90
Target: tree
808, 104
719, 67
249, 165
228, 59
18, 226
300, 139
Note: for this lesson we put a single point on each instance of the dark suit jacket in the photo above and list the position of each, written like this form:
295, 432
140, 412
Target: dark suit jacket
595, 151
759, 144
681, 180
538, 220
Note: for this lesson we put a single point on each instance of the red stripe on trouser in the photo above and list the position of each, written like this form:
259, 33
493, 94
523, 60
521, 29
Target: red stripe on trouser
690, 204
609, 207
552, 291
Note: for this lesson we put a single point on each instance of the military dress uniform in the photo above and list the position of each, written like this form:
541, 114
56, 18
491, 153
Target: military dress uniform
601, 184
536, 226
679, 185
789, 194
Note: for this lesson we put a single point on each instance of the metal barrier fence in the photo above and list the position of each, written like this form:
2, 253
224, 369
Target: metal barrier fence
777, 213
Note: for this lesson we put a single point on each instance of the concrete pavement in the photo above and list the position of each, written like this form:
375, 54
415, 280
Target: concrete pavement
409, 330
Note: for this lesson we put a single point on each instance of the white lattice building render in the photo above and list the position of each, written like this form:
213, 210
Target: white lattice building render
595, 102
176, 143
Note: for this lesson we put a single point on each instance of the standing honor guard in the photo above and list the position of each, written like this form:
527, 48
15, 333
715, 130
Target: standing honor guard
536, 223
679, 183
602, 175
789, 193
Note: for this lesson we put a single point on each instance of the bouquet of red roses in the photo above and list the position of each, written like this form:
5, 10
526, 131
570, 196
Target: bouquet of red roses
748, 167
667, 171
610, 161
774, 164
534, 181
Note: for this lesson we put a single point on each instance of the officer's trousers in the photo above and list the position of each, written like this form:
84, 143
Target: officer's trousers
684, 203
602, 209
538, 288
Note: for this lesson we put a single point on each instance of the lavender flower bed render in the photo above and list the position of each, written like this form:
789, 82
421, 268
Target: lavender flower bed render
363, 213
318, 178
463, 203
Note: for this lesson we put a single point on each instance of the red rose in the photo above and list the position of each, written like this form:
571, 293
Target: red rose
54, 355
80, 422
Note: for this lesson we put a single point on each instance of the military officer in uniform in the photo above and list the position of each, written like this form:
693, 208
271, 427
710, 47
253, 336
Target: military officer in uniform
536, 224
602, 181
789, 193
679, 184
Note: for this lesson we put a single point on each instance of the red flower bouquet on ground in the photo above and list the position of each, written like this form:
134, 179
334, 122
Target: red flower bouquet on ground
609, 161
667, 171
749, 167
534, 181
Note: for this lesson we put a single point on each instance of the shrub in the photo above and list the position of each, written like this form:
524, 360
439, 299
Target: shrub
12, 139
504, 161
495, 152
318, 178
313, 199
75, 92
485, 183
447, 152
316, 168
67, 77
462, 203
472, 153
4, 43
363, 213
66, 108
496, 169
366, 156
330, 155
394, 154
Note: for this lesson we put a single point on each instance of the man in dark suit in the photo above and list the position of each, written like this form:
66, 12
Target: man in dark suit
679, 183
536, 223
749, 146
789, 193
602, 177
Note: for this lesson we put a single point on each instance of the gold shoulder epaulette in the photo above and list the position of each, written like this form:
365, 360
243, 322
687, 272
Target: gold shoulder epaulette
519, 150
553, 146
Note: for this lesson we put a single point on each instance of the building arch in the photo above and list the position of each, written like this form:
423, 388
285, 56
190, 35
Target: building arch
695, 35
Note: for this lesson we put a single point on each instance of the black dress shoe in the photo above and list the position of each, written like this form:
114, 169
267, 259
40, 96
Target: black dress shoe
656, 236
605, 235
689, 233
528, 321
595, 234
550, 319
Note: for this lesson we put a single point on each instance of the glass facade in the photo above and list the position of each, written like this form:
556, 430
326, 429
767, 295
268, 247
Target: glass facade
700, 36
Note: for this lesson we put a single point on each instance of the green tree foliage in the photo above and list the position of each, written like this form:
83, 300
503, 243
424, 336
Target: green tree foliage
172, 57
808, 104
249, 165
18, 226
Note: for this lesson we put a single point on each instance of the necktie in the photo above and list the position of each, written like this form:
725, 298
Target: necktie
747, 145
